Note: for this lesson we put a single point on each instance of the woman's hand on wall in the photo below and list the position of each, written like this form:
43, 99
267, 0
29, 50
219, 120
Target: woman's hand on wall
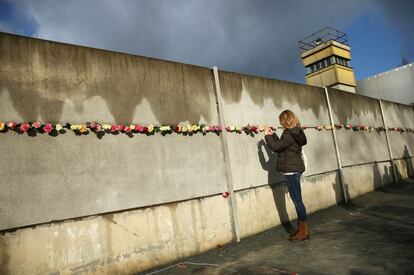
268, 131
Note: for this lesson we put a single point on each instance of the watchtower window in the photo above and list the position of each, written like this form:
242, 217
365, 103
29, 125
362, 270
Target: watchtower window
327, 62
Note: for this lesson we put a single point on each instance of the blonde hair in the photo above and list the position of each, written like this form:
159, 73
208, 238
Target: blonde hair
288, 119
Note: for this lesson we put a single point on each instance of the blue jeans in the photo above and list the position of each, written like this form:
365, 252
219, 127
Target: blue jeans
293, 184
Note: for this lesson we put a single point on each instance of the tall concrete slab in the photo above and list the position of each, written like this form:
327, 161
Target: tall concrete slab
358, 147
259, 101
400, 116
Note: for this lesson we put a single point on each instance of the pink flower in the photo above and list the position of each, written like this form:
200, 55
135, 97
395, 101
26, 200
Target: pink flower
113, 128
98, 127
120, 127
36, 125
11, 124
92, 126
24, 127
127, 129
139, 128
225, 194
48, 128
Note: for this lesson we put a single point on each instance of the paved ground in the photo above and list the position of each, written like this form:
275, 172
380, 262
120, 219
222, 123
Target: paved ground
373, 235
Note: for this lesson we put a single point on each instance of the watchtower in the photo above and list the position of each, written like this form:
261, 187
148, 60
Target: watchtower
326, 56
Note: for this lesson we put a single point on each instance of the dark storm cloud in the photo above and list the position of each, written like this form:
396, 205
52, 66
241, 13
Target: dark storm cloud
256, 37
400, 13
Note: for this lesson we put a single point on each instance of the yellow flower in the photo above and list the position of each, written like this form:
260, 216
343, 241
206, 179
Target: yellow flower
261, 128
189, 128
132, 127
75, 127
150, 128
195, 127
205, 129
1, 126
184, 129
232, 128
58, 127
83, 129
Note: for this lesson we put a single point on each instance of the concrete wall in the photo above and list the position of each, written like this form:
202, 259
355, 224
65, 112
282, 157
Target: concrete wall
119, 205
53, 82
396, 85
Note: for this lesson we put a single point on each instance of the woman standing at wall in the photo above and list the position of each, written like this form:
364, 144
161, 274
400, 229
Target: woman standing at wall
290, 162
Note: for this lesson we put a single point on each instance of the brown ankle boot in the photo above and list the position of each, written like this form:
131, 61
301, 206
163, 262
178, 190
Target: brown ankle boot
303, 232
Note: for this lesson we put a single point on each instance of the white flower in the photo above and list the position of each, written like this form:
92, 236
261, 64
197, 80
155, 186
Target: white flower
58, 127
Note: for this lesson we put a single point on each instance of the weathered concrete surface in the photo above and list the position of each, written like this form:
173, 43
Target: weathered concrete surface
255, 100
375, 235
264, 207
69, 176
119, 243
62, 82
399, 115
358, 147
54, 82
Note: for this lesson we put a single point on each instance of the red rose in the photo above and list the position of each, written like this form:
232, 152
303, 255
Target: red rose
48, 128
225, 194
145, 130
24, 127
254, 128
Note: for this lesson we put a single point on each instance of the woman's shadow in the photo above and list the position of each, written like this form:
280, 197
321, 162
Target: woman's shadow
279, 189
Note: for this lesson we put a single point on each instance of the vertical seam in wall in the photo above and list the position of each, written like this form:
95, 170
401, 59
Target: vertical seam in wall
388, 142
338, 156
227, 165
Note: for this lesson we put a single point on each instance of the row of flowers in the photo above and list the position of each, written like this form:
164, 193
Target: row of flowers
37, 127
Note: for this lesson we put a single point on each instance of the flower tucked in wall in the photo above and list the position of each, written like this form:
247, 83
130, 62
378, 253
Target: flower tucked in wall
113, 128
83, 129
100, 129
139, 128
36, 125
24, 127
11, 125
58, 127
150, 128
48, 128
